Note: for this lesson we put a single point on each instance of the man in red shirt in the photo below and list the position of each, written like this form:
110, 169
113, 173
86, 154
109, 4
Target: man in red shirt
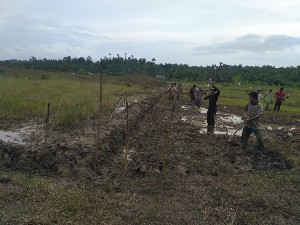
279, 98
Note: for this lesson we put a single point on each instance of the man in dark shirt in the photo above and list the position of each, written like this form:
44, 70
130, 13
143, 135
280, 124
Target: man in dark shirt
192, 93
212, 107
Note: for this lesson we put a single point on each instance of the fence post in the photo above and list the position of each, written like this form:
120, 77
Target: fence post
47, 126
99, 116
126, 139
167, 141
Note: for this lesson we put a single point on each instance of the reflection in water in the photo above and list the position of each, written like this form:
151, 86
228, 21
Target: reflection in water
201, 109
19, 136
119, 109
8, 136
228, 132
232, 118
221, 120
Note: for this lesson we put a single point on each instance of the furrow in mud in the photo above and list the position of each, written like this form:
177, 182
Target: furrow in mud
189, 151
73, 154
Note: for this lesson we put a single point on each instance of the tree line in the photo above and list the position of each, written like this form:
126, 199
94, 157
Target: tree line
116, 66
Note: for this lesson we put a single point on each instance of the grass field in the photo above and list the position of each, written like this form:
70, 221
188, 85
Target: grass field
26, 94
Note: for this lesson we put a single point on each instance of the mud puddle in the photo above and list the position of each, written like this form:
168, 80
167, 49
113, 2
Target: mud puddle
73, 152
12, 137
19, 136
226, 123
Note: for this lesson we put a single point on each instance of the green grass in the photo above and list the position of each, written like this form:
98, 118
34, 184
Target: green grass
43, 198
26, 93
237, 95
244, 198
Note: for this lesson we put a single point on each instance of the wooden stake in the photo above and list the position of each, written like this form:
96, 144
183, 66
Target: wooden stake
167, 141
99, 116
126, 140
47, 126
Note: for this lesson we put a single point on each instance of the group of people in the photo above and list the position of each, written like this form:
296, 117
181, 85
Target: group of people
279, 98
253, 110
196, 95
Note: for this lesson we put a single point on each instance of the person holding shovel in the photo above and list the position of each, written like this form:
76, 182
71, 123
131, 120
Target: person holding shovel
212, 107
253, 110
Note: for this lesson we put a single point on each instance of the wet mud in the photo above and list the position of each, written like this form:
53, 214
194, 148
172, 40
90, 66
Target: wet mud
155, 132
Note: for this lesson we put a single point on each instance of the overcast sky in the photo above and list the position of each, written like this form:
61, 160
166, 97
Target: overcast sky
193, 32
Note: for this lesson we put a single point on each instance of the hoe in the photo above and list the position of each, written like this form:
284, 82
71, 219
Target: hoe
240, 127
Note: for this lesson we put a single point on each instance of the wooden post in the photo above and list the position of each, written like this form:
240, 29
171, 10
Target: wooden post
126, 140
99, 116
167, 141
47, 126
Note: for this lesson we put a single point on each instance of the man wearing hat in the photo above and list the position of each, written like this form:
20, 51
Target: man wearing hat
279, 98
212, 107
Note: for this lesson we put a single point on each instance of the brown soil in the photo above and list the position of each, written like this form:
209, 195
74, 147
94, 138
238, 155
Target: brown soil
199, 162
72, 152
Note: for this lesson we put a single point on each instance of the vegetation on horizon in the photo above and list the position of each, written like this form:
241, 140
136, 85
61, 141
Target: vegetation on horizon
132, 66
25, 93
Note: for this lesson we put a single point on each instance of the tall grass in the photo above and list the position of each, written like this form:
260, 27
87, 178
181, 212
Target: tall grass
26, 93
72, 98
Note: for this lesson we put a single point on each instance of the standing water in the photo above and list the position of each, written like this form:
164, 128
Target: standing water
9, 136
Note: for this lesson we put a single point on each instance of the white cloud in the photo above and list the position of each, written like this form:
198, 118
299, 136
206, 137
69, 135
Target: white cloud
252, 43
172, 31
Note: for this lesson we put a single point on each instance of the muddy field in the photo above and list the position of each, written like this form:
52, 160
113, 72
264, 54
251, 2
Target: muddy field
204, 169
72, 152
